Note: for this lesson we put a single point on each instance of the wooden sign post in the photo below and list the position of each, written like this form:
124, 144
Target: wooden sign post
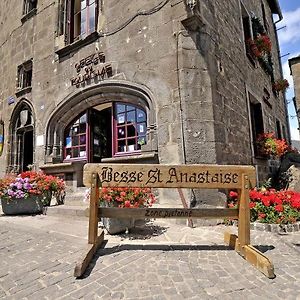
174, 176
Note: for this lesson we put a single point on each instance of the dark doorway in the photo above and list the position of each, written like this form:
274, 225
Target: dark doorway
27, 150
101, 137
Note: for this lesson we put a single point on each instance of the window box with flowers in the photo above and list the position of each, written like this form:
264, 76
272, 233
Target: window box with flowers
280, 85
126, 198
268, 146
29, 192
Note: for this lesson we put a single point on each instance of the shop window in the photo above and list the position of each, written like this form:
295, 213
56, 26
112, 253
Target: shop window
76, 138
130, 127
24, 75
81, 19
28, 6
111, 129
257, 124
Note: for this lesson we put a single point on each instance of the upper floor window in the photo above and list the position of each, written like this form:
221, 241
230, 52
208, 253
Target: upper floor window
81, 19
28, 6
266, 24
24, 75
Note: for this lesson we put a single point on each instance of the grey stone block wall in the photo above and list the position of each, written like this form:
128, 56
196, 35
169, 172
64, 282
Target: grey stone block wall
198, 80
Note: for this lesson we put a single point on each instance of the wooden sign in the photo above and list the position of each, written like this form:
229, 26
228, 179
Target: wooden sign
183, 176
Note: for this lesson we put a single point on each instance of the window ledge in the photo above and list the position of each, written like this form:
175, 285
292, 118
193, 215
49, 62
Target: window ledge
62, 52
151, 157
23, 91
29, 15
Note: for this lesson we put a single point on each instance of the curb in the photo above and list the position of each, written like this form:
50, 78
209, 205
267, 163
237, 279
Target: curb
278, 228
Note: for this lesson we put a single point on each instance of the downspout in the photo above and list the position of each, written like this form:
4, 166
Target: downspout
279, 12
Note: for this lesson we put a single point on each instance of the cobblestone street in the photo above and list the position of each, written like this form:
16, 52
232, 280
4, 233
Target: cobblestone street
161, 261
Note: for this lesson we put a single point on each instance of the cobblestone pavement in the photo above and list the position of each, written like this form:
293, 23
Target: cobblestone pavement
161, 261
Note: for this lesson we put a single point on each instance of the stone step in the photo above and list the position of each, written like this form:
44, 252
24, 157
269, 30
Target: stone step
67, 211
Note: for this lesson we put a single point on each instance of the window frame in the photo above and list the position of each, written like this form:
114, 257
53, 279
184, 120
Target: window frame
117, 153
24, 75
26, 6
70, 22
114, 133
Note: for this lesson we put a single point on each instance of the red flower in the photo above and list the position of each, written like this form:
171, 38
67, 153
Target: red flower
233, 194
252, 205
261, 215
279, 208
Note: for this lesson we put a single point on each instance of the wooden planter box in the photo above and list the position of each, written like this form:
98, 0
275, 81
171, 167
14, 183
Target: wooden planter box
19, 206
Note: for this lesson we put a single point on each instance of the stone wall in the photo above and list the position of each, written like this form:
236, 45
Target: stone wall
198, 80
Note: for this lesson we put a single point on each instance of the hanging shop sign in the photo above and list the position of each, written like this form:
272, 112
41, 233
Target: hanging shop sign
91, 67
1, 137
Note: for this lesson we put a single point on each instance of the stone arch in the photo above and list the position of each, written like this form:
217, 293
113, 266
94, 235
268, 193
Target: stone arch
21, 137
79, 101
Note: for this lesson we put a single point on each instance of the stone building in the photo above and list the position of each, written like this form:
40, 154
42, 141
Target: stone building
294, 64
162, 81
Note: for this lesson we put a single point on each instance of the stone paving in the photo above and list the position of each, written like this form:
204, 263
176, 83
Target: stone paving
158, 261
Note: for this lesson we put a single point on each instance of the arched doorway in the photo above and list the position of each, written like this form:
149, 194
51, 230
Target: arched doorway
21, 138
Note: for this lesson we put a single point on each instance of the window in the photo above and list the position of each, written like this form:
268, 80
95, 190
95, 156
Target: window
257, 123
266, 24
81, 19
24, 75
76, 138
131, 128
278, 130
106, 130
28, 6
247, 31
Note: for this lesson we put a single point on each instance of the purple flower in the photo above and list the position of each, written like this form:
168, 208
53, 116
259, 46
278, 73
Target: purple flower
27, 186
19, 185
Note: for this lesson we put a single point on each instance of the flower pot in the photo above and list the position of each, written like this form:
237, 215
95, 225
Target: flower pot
114, 226
17, 206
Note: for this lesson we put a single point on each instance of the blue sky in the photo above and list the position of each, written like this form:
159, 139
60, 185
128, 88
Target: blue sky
289, 39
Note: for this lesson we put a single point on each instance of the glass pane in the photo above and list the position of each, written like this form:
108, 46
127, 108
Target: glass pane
75, 141
82, 128
75, 152
74, 130
77, 6
122, 146
141, 142
142, 128
76, 122
83, 4
68, 153
130, 107
131, 145
141, 116
120, 108
131, 117
83, 119
121, 132
82, 140
82, 152
121, 119
92, 18
68, 141
131, 130
83, 22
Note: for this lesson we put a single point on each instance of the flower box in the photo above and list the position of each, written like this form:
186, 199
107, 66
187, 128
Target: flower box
16, 206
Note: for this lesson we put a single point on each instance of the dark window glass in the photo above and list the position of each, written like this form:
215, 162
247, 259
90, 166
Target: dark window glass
24, 75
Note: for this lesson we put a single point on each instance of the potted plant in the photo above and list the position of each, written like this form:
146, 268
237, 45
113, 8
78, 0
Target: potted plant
123, 198
28, 192
280, 85
269, 146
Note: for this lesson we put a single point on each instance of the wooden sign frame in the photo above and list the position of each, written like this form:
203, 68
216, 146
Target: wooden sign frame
174, 176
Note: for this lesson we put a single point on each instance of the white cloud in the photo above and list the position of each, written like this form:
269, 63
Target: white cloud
291, 33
